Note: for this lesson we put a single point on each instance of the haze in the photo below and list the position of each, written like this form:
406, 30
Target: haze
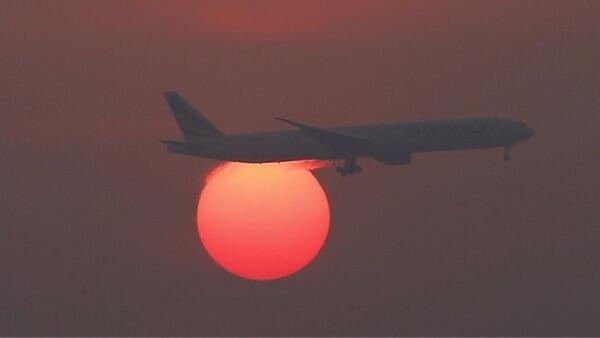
98, 232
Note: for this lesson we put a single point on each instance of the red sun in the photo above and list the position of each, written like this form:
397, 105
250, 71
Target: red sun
263, 221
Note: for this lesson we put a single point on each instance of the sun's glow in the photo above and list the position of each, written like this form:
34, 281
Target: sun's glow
263, 221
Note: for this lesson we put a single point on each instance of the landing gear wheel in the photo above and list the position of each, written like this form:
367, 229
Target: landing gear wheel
507, 153
350, 167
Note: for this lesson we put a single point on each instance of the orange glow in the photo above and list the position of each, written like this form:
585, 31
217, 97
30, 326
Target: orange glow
274, 20
263, 221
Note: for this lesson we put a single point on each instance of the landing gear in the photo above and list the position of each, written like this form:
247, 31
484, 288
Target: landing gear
507, 153
350, 167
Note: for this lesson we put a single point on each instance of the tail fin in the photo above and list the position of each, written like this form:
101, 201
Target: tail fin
193, 125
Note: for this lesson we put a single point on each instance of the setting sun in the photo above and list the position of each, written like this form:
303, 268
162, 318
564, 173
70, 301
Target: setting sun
263, 221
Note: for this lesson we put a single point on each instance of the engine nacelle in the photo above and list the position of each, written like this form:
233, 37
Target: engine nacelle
399, 159
395, 157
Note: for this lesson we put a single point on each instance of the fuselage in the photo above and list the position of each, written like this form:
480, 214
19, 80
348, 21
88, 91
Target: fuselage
390, 142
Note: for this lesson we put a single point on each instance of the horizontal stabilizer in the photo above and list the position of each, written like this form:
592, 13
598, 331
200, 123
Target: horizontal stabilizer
180, 147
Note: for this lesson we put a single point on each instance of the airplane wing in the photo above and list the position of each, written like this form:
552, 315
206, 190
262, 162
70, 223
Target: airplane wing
335, 139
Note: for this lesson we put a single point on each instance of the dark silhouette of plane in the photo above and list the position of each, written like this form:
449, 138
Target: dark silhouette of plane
392, 144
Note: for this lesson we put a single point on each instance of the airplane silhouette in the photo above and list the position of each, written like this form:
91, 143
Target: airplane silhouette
391, 144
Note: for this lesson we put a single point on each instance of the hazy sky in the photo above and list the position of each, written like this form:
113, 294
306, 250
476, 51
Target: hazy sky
97, 221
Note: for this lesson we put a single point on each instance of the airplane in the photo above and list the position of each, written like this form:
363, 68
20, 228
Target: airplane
391, 144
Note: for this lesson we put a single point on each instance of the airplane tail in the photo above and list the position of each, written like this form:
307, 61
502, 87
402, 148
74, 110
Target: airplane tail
193, 125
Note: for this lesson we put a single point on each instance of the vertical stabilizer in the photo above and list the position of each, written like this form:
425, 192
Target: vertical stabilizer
193, 125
